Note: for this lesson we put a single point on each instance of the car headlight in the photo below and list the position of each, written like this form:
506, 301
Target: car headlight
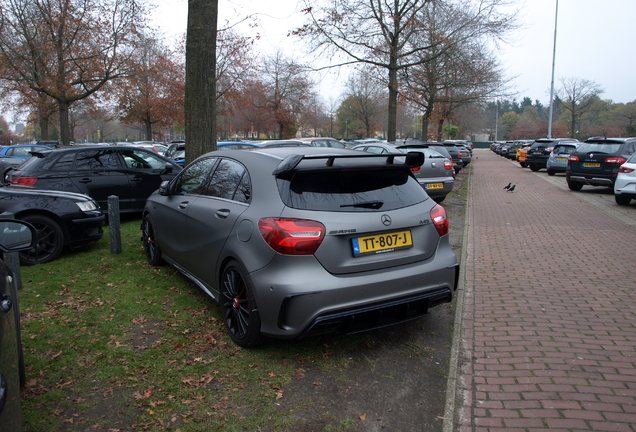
87, 205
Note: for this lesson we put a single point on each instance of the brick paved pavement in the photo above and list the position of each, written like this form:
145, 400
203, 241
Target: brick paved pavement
547, 340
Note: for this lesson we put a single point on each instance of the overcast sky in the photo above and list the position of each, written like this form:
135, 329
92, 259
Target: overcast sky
594, 41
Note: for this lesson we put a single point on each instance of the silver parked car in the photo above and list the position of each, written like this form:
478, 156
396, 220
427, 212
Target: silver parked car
298, 241
436, 175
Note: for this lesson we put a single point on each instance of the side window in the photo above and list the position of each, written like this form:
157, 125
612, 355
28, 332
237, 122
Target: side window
632, 148
190, 181
226, 180
142, 160
64, 162
376, 150
96, 160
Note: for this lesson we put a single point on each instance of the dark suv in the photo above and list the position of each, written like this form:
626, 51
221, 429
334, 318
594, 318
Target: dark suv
130, 173
539, 152
596, 161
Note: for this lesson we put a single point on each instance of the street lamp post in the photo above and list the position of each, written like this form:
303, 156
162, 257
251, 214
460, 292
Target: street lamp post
556, 13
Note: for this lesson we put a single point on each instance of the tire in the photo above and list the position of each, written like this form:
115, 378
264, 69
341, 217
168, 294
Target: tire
50, 241
551, 172
534, 168
151, 245
575, 186
240, 312
523, 164
622, 200
439, 199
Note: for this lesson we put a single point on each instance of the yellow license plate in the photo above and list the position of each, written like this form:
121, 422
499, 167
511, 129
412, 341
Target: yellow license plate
591, 165
435, 186
562, 159
382, 243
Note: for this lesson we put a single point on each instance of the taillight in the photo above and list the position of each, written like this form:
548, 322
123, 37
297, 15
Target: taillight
616, 160
24, 181
415, 169
438, 215
448, 164
625, 169
573, 158
292, 236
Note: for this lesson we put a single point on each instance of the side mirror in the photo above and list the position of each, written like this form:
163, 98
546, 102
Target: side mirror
163, 188
17, 235
168, 169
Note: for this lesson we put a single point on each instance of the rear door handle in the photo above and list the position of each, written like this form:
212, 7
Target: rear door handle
85, 180
223, 213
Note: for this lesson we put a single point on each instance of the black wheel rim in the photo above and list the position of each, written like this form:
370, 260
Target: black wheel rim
45, 247
149, 241
235, 304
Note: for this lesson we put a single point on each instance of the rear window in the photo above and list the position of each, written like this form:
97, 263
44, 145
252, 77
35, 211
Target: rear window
600, 147
358, 190
561, 149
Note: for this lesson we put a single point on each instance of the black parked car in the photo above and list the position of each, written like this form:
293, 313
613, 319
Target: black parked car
539, 152
130, 173
14, 236
60, 218
597, 160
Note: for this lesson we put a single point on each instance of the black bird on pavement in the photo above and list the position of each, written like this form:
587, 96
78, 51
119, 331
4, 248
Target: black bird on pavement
508, 187
512, 188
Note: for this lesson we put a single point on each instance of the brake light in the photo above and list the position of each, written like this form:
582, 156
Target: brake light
448, 164
292, 236
415, 169
438, 215
573, 158
616, 160
625, 169
24, 181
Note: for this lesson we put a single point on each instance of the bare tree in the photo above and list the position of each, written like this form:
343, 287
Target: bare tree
153, 94
287, 88
364, 100
67, 49
384, 33
456, 71
200, 88
577, 96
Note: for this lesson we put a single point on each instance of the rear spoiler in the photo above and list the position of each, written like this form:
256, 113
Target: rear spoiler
411, 160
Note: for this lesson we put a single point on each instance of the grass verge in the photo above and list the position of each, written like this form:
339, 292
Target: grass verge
113, 343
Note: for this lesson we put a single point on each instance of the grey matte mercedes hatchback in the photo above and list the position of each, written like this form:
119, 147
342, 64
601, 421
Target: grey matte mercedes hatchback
299, 241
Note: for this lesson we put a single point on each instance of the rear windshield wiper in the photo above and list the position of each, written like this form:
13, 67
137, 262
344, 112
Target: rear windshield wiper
368, 204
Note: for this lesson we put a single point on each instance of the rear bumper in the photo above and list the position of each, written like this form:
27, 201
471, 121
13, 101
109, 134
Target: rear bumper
537, 161
310, 300
591, 180
437, 192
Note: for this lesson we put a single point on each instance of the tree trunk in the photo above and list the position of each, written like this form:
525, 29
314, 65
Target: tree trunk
64, 129
43, 121
440, 129
200, 88
393, 96
148, 127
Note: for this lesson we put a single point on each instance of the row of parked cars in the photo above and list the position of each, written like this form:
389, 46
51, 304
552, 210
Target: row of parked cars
598, 161
73, 184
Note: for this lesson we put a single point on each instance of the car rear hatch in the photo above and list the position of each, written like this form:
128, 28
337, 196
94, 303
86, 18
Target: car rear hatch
375, 215
540, 149
596, 158
434, 166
